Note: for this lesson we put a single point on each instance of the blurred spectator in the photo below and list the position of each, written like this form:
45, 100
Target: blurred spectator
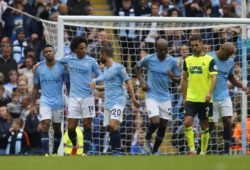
14, 19
237, 135
27, 70
66, 47
63, 9
3, 100
184, 53
165, 7
22, 87
138, 143
139, 131
33, 131
144, 7
174, 12
95, 45
7, 63
54, 5
18, 142
14, 107
176, 39
6, 93
89, 10
25, 104
19, 45
228, 11
12, 85
77, 7
3, 7
194, 8
128, 38
207, 47
5, 125
150, 35
5, 40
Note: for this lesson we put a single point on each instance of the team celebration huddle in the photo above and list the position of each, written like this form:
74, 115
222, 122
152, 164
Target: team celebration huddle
209, 99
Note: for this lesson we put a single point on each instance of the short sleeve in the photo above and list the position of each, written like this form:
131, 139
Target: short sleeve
143, 62
123, 73
96, 68
212, 67
63, 60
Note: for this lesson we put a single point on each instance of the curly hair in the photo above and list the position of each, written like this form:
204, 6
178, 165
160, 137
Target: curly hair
76, 41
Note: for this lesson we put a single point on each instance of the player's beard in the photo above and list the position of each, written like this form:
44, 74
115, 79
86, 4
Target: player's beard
103, 61
49, 60
161, 56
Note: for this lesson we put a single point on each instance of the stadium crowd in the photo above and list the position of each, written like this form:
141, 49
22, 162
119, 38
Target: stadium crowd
23, 41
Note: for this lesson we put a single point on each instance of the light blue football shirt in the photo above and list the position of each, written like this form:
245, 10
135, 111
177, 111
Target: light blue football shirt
157, 77
113, 77
51, 81
224, 69
81, 72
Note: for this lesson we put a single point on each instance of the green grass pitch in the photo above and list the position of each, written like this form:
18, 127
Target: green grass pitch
125, 163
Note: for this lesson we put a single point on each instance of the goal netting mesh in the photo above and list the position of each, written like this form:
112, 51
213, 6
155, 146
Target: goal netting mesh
132, 41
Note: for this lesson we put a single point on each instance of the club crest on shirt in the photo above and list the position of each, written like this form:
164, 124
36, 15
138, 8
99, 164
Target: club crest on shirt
85, 64
215, 67
57, 75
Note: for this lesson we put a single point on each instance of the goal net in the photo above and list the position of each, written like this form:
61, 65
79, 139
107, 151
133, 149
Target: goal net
134, 38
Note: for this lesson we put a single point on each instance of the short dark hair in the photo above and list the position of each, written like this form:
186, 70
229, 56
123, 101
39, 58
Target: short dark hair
76, 41
48, 45
107, 50
195, 38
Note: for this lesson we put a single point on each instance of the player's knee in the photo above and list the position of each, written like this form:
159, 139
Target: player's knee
45, 126
226, 122
155, 120
87, 123
71, 127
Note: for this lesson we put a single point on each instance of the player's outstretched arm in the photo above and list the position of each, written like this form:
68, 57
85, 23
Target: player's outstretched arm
132, 94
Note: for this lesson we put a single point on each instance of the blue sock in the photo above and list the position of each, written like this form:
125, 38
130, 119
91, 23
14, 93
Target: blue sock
227, 139
159, 138
115, 141
73, 137
57, 141
87, 139
45, 142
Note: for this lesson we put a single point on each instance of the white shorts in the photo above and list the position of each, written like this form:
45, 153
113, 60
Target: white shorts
80, 108
222, 108
56, 116
116, 113
161, 109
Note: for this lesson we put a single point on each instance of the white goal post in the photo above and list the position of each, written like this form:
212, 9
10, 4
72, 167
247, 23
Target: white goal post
170, 23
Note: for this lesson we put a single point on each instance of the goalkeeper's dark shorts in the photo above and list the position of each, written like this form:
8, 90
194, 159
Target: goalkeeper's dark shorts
203, 109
